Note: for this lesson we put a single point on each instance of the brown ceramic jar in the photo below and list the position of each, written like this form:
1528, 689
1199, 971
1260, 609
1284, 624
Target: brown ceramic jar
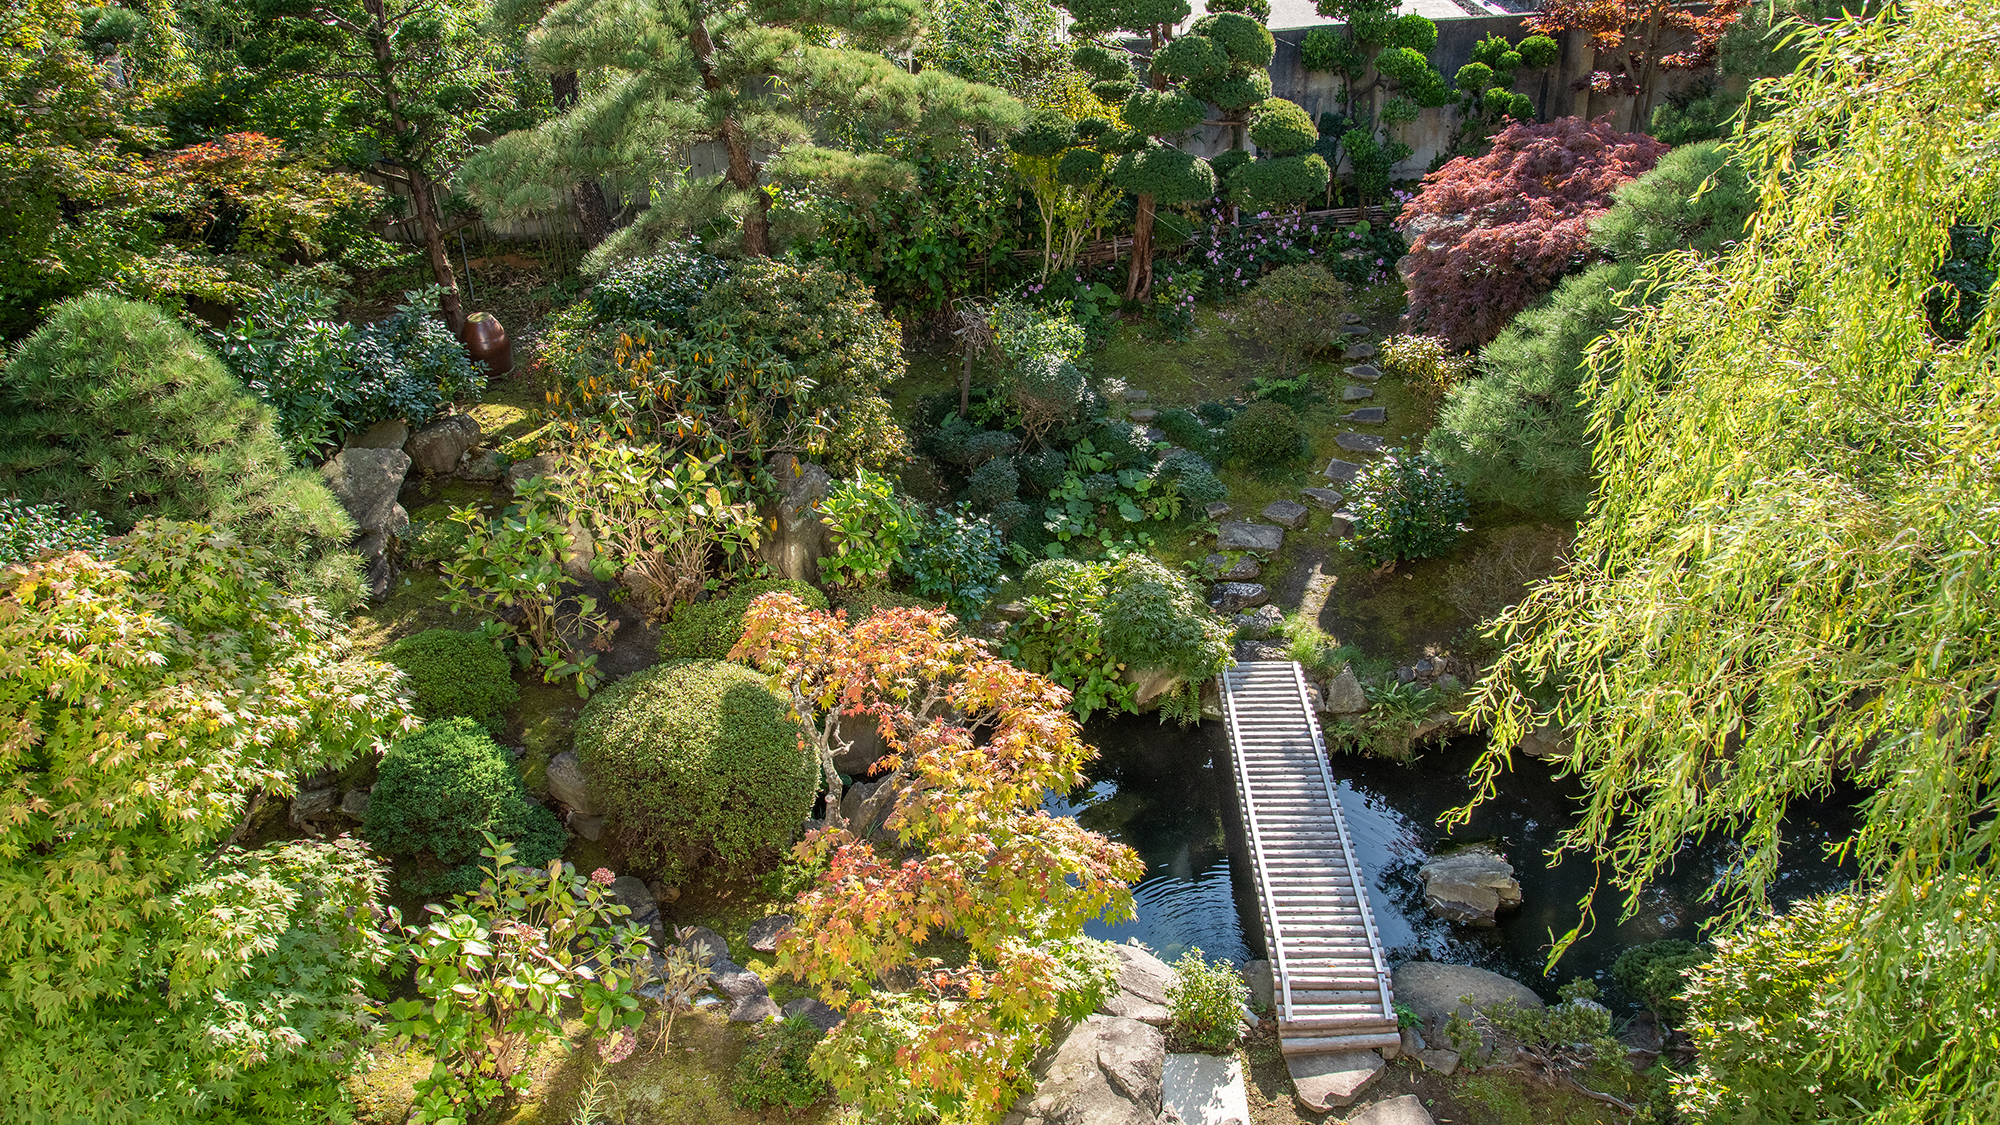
485, 340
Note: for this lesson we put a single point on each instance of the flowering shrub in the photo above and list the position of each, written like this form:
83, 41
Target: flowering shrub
1405, 507
1428, 365
1232, 256
1491, 234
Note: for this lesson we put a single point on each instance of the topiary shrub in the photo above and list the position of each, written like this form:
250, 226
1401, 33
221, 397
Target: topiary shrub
438, 793
454, 674
993, 483
1655, 974
1042, 471
1186, 430
708, 630
775, 1069
1295, 311
700, 765
1266, 438
1196, 481
1405, 506
113, 407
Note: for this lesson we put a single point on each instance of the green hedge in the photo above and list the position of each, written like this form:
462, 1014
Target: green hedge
700, 765
708, 630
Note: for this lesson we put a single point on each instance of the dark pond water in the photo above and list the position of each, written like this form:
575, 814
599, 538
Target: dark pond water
1167, 793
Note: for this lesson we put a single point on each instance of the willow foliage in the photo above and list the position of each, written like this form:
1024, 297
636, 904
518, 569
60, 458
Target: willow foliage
1788, 577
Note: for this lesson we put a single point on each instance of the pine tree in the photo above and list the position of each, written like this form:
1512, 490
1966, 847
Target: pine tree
1379, 55
774, 83
1149, 165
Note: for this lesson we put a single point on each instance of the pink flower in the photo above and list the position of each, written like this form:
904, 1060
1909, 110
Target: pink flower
603, 877
618, 1048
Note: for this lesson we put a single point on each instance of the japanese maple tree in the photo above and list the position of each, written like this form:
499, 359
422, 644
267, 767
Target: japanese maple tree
1490, 234
976, 865
1631, 38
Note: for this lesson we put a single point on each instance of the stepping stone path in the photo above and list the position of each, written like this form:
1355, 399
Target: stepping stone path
1325, 1082
1366, 372
1143, 414
1325, 497
1220, 568
1287, 513
1234, 597
1361, 351
1342, 471
1359, 443
1216, 510
1135, 394
1356, 394
1357, 330
1369, 414
1350, 318
1206, 1090
1237, 535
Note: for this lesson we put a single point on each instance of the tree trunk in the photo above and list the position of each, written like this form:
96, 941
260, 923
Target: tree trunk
1139, 279
421, 195
422, 198
593, 215
743, 171
1642, 106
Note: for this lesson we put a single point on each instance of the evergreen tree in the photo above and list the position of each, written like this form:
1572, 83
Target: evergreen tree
773, 83
1149, 165
1379, 54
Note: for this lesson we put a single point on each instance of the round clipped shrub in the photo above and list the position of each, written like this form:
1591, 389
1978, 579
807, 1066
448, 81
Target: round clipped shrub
1655, 974
1199, 486
1163, 112
453, 673
993, 483
1186, 430
699, 763
662, 288
1048, 132
1169, 175
1042, 471
1226, 163
1154, 620
1265, 437
708, 630
1124, 443
1280, 181
1473, 77
1280, 127
1080, 166
113, 407
1538, 51
1102, 63
438, 793
1235, 90
1405, 506
1248, 42
1191, 56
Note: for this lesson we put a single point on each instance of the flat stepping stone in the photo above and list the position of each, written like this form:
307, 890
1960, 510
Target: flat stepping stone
1342, 471
1325, 1082
1356, 394
1370, 414
1366, 372
1143, 414
1359, 443
1206, 1090
1361, 351
1357, 330
1238, 535
1325, 497
1350, 318
1216, 510
1286, 513
1234, 597
1135, 394
1404, 1109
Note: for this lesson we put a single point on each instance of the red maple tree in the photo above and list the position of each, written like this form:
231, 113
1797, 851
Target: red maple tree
1490, 234
977, 868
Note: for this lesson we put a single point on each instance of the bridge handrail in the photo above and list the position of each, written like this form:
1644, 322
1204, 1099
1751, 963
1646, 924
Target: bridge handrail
1281, 974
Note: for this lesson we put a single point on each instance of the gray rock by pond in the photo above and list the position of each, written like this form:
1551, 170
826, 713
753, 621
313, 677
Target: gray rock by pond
1341, 472
765, 932
1432, 989
1547, 741
1366, 372
1359, 443
1234, 597
1356, 394
568, 784
1470, 885
435, 450
1140, 992
1238, 535
355, 804
1106, 1070
1289, 514
1345, 695
1324, 497
1369, 415
1222, 569
748, 998
1256, 626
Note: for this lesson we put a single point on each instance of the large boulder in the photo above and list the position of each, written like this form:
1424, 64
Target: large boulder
1106, 1071
1141, 988
798, 541
633, 894
1264, 621
568, 785
765, 932
1432, 990
1233, 597
390, 433
1153, 684
1345, 695
1237, 535
748, 998
867, 804
1547, 741
863, 733
1220, 568
436, 449
1470, 885
367, 481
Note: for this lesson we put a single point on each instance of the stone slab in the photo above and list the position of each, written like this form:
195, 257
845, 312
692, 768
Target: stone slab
1143, 414
1238, 535
1444, 1062
1361, 351
1285, 513
765, 932
1359, 443
1403, 1109
1234, 597
1356, 394
1206, 1090
1324, 497
1432, 990
1341, 472
1366, 372
1326, 1082
1370, 415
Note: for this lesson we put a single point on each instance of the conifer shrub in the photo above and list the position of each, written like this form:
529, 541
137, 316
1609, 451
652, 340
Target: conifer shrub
437, 795
113, 407
708, 630
1655, 974
1265, 438
451, 673
993, 483
700, 764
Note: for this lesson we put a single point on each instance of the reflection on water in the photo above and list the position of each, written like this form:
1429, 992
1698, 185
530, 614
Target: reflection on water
1167, 793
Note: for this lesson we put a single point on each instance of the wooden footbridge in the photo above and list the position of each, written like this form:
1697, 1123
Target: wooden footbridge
1330, 980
